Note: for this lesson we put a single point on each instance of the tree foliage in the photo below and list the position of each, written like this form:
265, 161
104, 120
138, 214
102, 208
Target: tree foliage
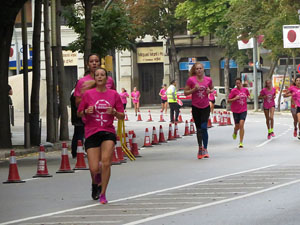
111, 29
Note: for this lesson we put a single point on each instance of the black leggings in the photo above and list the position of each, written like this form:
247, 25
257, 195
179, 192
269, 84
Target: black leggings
201, 118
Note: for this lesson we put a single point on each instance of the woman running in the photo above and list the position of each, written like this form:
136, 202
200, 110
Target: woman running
135, 96
238, 99
268, 94
294, 111
99, 106
294, 91
200, 86
212, 99
164, 98
124, 95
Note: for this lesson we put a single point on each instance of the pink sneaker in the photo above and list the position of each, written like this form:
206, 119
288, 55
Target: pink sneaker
200, 154
272, 134
205, 153
103, 199
269, 136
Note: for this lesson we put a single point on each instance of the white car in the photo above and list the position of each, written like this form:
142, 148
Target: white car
221, 97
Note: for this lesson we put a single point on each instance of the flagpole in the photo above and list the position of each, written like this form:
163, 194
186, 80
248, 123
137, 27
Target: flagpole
255, 94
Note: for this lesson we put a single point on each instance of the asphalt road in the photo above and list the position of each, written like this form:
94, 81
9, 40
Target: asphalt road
168, 184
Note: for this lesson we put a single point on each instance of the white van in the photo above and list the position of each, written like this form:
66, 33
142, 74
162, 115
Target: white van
220, 98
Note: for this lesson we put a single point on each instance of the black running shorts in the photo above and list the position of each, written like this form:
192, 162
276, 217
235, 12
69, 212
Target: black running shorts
96, 139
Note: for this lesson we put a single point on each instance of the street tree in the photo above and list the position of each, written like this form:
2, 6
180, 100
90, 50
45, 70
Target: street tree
157, 18
8, 14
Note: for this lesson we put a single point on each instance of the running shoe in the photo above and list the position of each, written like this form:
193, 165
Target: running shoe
269, 135
234, 136
241, 145
295, 132
272, 134
103, 199
205, 153
200, 153
95, 192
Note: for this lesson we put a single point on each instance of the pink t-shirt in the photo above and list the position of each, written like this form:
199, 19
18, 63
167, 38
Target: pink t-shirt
211, 96
239, 105
295, 95
79, 85
100, 120
135, 96
269, 101
163, 94
110, 84
124, 96
200, 97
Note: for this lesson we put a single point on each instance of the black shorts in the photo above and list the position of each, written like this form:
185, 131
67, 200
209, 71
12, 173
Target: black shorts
212, 101
298, 110
200, 115
239, 116
163, 101
96, 139
124, 105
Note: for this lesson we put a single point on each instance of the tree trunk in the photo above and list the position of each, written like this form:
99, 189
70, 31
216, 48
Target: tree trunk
49, 79
226, 81
36, 76
64, 128
88, 5
174, 61
282, 85
273, 66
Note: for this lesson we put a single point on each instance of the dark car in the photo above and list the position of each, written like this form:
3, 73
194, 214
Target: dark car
186, 100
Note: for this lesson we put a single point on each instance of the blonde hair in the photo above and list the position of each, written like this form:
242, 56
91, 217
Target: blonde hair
193, 69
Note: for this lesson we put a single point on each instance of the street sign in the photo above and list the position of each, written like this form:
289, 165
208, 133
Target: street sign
245, 43
291, 36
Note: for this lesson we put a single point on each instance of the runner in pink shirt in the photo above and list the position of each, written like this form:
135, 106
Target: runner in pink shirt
294, 91
110, 84
238, 99
124, 95
212, 100
200, 86
135, 96
268, 94
99, 106
164, 99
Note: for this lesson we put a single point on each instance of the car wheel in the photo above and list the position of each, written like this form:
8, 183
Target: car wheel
223, 104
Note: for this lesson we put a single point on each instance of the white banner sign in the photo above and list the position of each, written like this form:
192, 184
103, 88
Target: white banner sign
291, 36
245, 43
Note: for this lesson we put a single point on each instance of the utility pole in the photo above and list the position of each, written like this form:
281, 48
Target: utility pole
25, 80
255, 74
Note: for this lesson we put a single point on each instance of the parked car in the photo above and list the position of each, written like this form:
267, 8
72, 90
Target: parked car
186, 100
221, 97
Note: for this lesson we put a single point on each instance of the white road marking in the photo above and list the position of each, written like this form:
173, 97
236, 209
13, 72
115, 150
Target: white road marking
130, 209
106, 215
153, 203
223, 188
134, 196
180, 198
210, 204
277, 136
77, 222
203, 193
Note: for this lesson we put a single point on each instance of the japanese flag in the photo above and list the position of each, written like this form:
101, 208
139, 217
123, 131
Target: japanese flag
245, 43
291, 36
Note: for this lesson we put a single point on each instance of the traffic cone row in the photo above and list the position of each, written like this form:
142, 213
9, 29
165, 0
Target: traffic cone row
223, 118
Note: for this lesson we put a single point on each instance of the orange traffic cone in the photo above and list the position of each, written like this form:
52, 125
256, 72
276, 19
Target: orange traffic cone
130, 136
154, 137
135, 147
186, 130
65, 164
13, 175
180, 118
80, 163
170, 136
147, 142
120, 153
126, 117
149, 116
192, 128
114, 159
221, 121
176, 135
161, 138
42, 170
228, 119
209, 125
127, 142
161, 119
215, 117
139, 116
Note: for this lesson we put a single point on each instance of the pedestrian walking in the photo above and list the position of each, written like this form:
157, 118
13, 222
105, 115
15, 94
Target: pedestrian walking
135, 96
99, 106
212, 99
124, 95
294, 92
164, 99
200, 86
268, 94
238, 100
172, 100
